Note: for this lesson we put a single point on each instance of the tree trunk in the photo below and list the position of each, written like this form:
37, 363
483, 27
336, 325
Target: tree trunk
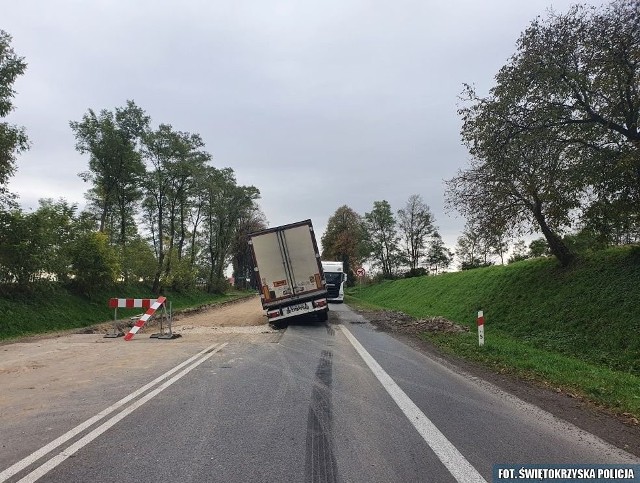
558, 248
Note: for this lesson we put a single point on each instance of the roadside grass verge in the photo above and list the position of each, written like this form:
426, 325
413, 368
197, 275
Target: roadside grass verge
50, 308
576, 329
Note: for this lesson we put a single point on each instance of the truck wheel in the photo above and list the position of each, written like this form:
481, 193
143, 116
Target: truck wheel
323, 316
279, 324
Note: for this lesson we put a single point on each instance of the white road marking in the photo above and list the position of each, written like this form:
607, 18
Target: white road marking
36, 455
452, 459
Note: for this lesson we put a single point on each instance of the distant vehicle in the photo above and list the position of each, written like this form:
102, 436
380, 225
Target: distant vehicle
336, 279
289, 273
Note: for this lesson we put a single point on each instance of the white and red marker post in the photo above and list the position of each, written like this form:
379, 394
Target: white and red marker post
480, 328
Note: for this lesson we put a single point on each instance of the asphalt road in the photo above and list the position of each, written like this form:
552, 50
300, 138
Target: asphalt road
322, 402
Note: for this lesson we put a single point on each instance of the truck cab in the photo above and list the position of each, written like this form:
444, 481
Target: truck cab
336, 279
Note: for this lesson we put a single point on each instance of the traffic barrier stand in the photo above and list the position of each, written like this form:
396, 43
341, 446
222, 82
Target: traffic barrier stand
115, 331
167, 317
115, 303
152, 305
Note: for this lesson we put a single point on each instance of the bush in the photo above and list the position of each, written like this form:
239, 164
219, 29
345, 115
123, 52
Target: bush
416, 272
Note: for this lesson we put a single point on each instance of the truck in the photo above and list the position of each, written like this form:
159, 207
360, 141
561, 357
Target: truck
289, 273
336, 278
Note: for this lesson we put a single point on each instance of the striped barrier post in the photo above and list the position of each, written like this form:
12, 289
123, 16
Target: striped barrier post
152, 307
480, 328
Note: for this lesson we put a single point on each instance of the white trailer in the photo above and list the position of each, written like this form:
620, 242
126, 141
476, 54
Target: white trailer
336, 278
288, 272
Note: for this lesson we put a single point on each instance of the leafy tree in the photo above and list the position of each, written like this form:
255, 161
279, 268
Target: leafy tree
115, 165
94, 263
344, 240
226, 204
23, 247
539, 248
164, 149
565, 107
516, 182
383, 238
472, 250
520, 252
577, 76
438, 256
241, 258
138, 260
13, 139
60, 226
415, 223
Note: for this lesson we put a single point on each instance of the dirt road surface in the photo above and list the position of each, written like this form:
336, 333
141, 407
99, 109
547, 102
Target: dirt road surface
43, 374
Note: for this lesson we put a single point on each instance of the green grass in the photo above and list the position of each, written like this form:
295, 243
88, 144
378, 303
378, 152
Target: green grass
50, 308
576, 328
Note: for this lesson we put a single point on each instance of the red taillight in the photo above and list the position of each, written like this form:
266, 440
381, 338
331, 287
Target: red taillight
320, 303
273, 313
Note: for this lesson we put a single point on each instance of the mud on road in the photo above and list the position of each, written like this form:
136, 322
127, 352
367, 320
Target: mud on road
38, 374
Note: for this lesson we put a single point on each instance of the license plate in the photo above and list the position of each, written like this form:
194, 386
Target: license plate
297, 308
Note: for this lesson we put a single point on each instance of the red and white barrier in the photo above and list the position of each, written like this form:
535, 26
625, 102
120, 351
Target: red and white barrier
480, 327
153, 306
130, 303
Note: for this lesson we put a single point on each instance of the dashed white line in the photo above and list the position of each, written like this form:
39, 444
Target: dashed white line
452, 459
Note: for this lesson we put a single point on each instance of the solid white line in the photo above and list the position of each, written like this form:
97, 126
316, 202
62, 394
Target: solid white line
36, 455
452, 459
62, 456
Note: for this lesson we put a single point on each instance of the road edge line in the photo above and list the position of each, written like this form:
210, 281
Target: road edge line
446, 452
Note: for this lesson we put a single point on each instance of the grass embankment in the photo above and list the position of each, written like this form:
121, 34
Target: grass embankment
51, 308
576, 328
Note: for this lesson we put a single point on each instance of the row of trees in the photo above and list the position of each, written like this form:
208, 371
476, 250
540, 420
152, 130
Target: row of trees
162, 179
157, 211
555, 145
407, 241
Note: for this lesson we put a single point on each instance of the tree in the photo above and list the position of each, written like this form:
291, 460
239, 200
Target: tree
115, 164
571, 91
415, 223
517, 180
23, 247
583, 84
168, 153
439, 257
241, 258
13, 139
472, 250
383, 238
60, 227
344, 240
520, 252
539, 248
226, 204
94, 263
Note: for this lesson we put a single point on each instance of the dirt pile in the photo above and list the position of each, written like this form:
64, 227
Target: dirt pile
392, 321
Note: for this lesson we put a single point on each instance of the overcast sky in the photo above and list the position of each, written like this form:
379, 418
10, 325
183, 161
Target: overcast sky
316, 103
